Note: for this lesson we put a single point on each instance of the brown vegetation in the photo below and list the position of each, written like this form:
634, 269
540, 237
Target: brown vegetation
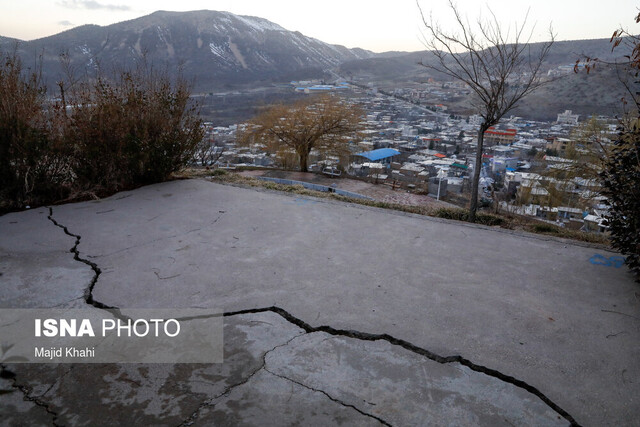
323, 123
100, 136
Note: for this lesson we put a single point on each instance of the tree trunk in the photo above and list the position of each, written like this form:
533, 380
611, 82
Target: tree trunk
473, 206
304, 160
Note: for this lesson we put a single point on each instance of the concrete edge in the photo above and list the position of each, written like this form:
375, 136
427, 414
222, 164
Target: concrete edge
525, 234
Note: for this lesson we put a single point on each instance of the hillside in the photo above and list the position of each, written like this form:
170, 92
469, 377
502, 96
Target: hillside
598, 92
405, 65
216, 49
220, 51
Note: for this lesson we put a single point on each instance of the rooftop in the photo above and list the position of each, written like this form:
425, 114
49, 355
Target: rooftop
379, 154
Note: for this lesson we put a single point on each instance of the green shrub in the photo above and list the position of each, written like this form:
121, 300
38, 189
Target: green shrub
219, 172
544, 228
621, 185
448, 213
459, 214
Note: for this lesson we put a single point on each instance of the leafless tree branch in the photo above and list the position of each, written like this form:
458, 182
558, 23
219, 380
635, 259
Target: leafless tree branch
494, 63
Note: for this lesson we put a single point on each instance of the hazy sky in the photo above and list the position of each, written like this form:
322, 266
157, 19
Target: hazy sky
378, 25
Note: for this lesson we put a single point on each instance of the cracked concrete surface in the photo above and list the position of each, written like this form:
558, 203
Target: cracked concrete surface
427, 321
278, 374
36, 266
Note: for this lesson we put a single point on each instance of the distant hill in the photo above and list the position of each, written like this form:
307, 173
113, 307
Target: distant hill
216, 49
401, 65
220, 51
7, 43
598, 92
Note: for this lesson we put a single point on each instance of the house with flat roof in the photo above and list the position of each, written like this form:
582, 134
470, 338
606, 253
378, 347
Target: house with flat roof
493, 136
568, 118
381, 155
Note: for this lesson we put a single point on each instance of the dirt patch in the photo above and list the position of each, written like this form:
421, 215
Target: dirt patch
378, 192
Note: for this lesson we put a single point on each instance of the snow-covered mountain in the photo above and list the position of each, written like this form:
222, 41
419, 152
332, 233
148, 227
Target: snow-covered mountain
217, 49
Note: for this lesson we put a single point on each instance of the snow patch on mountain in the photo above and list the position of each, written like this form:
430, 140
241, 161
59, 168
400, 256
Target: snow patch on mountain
259, 24
219, 51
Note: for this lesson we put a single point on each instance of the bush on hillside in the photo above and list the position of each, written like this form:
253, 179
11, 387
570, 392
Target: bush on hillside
135, 129
621, 182
32, 168
460, 214
100, 136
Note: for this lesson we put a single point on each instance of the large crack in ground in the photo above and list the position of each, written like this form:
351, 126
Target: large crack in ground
363, 336
88, 293
88, 298
26, 392
211, 402
333, 399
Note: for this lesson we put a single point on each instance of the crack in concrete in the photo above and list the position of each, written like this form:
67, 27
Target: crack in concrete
622, 314
212, 401
173, 236
364, 336
88, 298
88, 293
26, 392
57, 381
333, 399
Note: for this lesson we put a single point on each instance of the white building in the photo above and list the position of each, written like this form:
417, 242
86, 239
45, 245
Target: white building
476, 120
568, 118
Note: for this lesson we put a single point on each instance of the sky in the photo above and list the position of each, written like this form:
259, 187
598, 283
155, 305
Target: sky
376, 25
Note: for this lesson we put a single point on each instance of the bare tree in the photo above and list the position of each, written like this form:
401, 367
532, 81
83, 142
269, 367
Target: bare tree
497, 64
585, 163
323, 123
208, 152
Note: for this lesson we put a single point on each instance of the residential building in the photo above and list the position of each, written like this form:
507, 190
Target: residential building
568, 118
495, 136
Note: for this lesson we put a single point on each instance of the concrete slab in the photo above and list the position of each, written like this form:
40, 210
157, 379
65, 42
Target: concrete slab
15, 410
152, 394
404, 388
546, 312
267, 400
37, 269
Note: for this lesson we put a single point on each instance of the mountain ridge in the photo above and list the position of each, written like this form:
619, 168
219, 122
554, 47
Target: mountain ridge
221, 51
216, 49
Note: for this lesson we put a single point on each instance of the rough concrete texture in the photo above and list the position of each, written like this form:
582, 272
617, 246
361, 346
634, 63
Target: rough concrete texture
15, 410
402, 387
154, 394
36, 267
383, 317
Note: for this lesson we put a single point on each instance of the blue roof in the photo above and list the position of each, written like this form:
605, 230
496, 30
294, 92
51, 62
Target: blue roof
379, 154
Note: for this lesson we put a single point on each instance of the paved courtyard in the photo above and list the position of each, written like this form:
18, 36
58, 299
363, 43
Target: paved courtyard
334, 314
